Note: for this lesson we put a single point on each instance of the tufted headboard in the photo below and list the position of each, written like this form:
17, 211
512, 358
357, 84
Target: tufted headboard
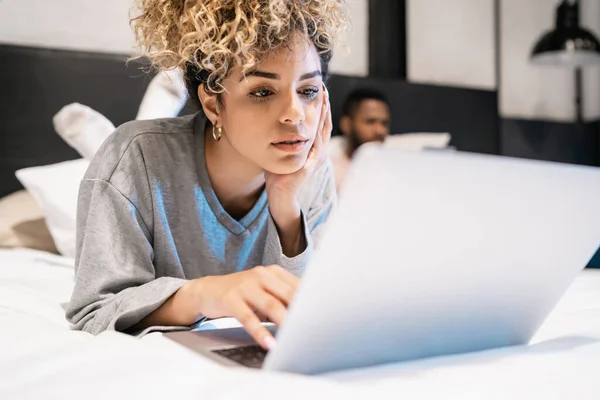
36, 83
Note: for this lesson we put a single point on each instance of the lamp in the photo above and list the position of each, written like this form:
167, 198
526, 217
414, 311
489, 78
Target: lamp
568, 44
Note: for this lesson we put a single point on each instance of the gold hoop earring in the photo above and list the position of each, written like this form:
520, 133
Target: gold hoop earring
219, 135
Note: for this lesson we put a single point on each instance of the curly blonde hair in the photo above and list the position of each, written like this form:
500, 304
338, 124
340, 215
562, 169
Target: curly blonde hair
207, 38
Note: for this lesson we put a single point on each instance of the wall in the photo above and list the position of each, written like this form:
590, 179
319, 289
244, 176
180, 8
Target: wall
537, 104
532, 92
67, 24
351, 56
528, 91
103, 26
451, 42
590, 18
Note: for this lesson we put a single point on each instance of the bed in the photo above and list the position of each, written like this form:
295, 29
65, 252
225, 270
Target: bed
41, 357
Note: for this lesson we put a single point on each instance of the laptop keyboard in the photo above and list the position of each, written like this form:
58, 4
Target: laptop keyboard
251, 356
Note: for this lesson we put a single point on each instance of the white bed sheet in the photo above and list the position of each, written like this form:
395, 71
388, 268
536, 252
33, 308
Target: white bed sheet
41, 358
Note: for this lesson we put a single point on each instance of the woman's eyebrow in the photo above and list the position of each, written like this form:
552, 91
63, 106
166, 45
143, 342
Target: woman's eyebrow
261, 74
272, 75
310, 75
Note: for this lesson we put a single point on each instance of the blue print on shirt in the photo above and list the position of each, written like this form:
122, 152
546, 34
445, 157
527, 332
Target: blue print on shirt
215, 235
248, 247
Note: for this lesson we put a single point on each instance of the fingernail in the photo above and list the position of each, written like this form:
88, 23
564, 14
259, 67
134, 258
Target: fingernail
269, 343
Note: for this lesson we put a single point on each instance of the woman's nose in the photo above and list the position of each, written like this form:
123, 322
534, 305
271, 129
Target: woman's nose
293, 111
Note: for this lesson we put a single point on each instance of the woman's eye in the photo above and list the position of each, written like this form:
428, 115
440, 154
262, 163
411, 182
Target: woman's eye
309, 93
261, 94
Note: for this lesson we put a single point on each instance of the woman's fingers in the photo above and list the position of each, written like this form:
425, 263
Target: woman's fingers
264, 297
282, 289
319, 149
241, 311
328, 125
285, 276
315, 155
318, 143
265, 303
262, 317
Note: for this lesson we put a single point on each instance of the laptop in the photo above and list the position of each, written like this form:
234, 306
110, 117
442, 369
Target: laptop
429, 254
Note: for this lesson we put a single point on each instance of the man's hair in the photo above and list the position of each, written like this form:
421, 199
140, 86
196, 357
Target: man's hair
357, 96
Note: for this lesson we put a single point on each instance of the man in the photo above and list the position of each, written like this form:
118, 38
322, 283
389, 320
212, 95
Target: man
365, 118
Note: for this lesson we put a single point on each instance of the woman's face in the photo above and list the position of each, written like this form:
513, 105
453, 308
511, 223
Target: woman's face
270, 117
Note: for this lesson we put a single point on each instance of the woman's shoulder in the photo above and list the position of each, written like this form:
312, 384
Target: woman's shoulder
140, 140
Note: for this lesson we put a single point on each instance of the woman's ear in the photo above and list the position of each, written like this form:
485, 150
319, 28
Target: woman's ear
210, 104
345, 124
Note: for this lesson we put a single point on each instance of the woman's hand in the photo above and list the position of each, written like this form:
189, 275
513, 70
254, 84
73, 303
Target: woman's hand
282, 190
246, 296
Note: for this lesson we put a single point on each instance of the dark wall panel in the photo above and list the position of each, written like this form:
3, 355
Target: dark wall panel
387, 39
36, 83
553, 141
469, 115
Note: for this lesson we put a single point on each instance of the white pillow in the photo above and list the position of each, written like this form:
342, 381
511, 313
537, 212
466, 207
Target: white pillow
55, 188
419, 141
405, 141
165, 96
83, 128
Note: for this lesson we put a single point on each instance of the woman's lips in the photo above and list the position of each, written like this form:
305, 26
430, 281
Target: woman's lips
291, 146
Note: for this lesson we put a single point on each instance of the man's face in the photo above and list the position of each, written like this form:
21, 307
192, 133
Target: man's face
370, 123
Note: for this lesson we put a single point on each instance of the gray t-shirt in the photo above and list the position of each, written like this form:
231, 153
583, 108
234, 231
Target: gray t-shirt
148, 220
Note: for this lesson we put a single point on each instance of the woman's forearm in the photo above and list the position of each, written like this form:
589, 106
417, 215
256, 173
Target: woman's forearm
176, 311
290, 230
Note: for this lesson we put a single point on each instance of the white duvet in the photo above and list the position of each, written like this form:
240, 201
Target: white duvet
40, 358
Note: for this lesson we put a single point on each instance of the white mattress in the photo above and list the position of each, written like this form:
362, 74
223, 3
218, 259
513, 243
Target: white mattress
41, 358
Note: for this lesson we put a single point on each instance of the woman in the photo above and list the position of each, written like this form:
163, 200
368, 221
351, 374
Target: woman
215, 214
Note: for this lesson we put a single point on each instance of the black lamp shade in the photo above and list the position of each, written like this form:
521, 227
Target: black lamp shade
568, 44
